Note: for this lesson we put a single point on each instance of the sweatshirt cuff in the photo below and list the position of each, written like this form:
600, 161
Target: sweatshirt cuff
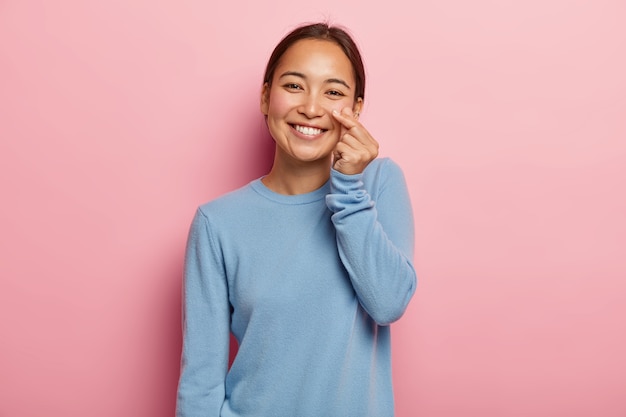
347, 193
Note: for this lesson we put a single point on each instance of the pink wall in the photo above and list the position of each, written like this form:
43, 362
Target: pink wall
118, 118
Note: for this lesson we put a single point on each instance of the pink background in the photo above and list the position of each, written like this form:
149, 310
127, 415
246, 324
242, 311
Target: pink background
118, 118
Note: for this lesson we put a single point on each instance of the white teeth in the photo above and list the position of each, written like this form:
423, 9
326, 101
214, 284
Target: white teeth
309, 131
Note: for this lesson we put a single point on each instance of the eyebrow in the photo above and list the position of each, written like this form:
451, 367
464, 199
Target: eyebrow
328, 81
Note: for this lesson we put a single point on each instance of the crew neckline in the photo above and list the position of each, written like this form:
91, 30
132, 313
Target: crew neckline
305, 198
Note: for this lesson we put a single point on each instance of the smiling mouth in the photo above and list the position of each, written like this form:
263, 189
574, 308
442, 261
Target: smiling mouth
308, 131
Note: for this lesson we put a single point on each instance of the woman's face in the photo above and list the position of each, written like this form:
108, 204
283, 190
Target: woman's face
313, 78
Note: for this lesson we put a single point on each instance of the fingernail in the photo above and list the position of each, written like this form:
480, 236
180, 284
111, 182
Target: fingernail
335, 111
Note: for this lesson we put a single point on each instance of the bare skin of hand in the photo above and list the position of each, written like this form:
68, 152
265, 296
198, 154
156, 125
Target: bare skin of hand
356, 147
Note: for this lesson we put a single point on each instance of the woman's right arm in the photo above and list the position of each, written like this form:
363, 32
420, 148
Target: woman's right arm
206, 326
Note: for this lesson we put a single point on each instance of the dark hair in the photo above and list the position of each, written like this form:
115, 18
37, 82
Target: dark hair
321, 31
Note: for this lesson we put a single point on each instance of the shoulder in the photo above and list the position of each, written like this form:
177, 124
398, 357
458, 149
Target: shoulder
382, 171
230, 214
231, 203
382, 166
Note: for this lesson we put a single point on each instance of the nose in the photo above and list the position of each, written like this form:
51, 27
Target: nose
311, 106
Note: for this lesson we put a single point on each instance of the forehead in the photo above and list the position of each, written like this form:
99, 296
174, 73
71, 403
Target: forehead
315, 57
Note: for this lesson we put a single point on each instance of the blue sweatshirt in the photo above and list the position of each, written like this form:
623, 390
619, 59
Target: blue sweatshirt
308, 284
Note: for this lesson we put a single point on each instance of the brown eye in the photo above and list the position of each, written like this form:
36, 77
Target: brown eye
292, 86
335, 93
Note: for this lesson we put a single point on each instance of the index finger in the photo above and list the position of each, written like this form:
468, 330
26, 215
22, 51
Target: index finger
346, 121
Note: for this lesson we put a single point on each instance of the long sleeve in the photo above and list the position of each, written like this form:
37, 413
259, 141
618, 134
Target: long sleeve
375, 238
206, 326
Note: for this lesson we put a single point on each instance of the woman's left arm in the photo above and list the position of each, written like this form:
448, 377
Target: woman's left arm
375, 237
373, 222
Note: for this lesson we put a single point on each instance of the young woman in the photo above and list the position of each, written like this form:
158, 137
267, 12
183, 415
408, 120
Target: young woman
306, 266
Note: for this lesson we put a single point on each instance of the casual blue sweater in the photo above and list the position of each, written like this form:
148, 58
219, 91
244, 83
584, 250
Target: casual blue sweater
308, 284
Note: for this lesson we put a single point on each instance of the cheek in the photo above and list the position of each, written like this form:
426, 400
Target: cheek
343, 103
339, 105
279, 104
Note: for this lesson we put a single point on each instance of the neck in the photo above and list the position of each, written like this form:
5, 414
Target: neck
292, 178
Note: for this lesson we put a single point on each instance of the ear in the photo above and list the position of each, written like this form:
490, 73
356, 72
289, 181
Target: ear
358, 106
265, 98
